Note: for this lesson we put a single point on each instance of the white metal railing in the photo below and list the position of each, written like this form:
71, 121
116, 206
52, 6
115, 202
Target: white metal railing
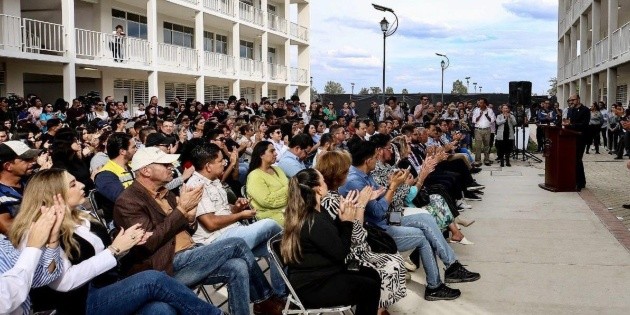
299, 31
299, 76
615, 43
277, 72
195, 2
178, 56
38, 36
277, 23
587, 59
620, 41
601, 52
219, 63
249, 13
251, 68
98, 45
222, 6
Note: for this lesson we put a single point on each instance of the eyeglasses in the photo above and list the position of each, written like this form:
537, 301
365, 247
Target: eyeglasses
167, 165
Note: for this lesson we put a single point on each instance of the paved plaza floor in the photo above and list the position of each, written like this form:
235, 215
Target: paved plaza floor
539, 252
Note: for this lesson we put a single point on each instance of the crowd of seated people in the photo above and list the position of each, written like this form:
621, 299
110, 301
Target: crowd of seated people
189, 194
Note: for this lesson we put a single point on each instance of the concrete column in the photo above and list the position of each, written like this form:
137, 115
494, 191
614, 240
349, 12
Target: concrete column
287, 63
152, 32
585, 92
103, 16
288, 91
596, 23
572, 88
611, 84
594, 87
613, 18
304, 56
560, 95
264, 47
107, 84
566, 52
264, 90
236, 53
263, 7
583, 33
304, 14
153, 85
69, 71
14, 79
574, 39
236, 88
200, 79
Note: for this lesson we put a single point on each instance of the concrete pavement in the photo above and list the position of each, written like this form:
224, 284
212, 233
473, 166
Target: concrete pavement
538, 252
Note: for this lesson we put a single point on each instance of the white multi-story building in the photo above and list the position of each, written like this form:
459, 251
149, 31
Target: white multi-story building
594, 50
203, 49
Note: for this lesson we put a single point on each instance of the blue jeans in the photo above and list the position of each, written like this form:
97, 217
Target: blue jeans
421, 231
224, 261
148, 292
256, 236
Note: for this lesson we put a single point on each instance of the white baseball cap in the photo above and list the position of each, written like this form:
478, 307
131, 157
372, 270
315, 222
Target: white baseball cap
14, 149
146, 156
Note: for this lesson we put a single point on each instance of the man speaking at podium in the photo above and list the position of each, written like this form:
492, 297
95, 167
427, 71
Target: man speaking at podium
577, 119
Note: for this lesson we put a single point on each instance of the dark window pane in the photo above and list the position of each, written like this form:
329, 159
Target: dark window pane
167, 37
178, 38
143, 19
178, 28
133, 29
133, 17
118, 13
168, 25
143, 31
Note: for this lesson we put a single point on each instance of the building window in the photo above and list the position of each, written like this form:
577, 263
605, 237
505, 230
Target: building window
181, 90
179, 35
622, 94
271, 55
272, 95
216, 93
271, 8
248, 93
247, 49
134, 25
214, 43
208, 41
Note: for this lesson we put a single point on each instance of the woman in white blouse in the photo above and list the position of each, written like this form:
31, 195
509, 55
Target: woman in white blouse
90, 283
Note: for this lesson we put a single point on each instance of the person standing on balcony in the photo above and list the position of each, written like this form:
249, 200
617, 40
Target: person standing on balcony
117, 42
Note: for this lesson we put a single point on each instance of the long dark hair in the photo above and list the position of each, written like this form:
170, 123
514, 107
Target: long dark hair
301, 206
257, 153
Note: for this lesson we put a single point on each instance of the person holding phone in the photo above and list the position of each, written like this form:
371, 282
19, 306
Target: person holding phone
117, 43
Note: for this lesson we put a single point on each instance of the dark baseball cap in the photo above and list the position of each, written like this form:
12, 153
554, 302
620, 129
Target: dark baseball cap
12, 150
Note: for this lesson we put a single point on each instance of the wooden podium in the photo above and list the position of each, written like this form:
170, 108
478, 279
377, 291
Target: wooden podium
560, 151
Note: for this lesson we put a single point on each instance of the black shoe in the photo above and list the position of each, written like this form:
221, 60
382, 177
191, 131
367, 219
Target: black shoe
626, 206
618, 157
487, 163
502, 164
441, 293
470, 196
508, 164
475, 170
457, 273
475, 184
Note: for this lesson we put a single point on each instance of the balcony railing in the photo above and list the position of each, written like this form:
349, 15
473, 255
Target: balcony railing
299, 31
277, 72
222, 6
576, 65
194, 2
587, 59
299, 76
250, 14
31, 36
219, 63
177, 56
97, 45
251, 68
277, 23
601, 52
620, 41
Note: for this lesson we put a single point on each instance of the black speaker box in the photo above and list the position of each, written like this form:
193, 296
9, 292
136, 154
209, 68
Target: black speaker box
520, 93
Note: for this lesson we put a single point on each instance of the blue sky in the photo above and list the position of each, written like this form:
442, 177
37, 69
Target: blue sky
491, 41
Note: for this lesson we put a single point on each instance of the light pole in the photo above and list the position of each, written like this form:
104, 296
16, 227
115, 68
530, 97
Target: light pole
388, 30
352, 93
467, 86
480, 87
312, 96
475, 85
443, 65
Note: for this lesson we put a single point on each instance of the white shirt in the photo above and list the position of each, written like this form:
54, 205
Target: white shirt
483, 121
74, 276
213, 200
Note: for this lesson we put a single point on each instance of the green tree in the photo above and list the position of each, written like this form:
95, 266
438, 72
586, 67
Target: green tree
333, 87
404, 91
364, 91
459, 88
375, 90
553, 86
389, 90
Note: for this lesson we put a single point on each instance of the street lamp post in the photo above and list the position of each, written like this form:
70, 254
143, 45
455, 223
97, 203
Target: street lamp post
480, 87
467, 86
475, 85
312, 96
443, 65
388, 30
352, 93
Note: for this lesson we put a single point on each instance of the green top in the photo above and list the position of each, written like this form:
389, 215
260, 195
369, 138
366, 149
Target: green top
269, 193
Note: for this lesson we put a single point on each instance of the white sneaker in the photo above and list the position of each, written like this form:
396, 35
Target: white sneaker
462, 204
408, 264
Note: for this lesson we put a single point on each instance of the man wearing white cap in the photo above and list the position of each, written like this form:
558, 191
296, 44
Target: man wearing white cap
172, 220
16, 163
